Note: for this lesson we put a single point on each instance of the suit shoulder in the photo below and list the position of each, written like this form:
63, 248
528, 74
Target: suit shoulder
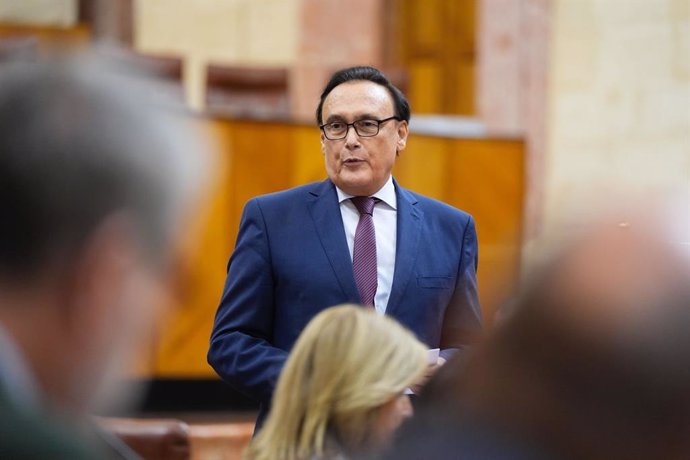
287, 196
435, 206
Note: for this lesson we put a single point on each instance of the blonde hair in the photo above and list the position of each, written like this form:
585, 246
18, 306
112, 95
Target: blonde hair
348, 362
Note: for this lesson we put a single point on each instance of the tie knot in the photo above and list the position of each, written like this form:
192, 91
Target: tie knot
364, 204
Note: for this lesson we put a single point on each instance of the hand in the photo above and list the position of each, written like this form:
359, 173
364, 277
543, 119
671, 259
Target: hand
430, 371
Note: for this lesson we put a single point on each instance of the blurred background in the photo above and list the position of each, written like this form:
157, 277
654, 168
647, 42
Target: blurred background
529, 114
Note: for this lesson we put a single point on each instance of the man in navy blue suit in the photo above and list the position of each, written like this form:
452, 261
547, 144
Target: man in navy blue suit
302, 250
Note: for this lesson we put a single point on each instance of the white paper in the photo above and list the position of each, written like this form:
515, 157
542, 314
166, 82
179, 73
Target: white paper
431, 358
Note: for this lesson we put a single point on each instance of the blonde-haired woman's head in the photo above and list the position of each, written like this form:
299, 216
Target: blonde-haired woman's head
342, 386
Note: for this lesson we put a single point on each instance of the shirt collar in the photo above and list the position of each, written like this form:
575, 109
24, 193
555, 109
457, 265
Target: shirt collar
385, 194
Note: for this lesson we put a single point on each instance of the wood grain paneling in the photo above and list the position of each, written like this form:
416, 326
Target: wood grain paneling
48, 39
207, 239
434, 41
426, 86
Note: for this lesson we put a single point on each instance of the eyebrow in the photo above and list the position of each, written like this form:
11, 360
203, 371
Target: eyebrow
365, 116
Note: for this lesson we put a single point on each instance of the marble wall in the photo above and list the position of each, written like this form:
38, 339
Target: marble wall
618, 125
600, 89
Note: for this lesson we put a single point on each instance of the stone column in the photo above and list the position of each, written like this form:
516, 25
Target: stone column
513, 39
333, 35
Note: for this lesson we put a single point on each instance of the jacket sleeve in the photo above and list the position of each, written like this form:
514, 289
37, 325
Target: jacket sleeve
462, 324
241, 349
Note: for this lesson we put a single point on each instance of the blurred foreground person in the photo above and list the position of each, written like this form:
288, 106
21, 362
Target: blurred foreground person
341, 393
93, 182
593, 364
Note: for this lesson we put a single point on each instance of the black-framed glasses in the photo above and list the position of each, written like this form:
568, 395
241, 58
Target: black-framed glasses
367, 127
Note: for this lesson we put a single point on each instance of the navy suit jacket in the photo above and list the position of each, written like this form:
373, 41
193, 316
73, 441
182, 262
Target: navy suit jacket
291, 261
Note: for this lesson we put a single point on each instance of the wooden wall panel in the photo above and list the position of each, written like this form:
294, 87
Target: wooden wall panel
485, 178
462, 17
422, 163
482, 176
434, 42
484, 181
426, 16
461, 100
208, 236
47, 37
308, 163
425, 91
489, 167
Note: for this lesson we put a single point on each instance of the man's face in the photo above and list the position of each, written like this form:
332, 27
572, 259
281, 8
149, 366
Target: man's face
118, 305
361, 165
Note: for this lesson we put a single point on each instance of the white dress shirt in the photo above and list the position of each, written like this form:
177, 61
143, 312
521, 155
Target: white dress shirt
386, 226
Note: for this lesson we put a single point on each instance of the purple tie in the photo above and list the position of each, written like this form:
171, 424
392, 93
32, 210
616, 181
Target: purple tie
364, 251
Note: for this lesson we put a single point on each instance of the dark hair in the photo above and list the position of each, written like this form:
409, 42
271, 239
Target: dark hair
402, 107
78, 144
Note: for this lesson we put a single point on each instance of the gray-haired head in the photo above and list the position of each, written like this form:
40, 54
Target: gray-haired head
82, 139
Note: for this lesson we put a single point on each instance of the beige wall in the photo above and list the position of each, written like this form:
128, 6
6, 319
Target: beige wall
619, 111
61, 13
256, 32
247, 32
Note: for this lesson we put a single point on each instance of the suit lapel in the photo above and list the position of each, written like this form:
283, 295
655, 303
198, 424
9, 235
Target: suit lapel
408, 233
325, 211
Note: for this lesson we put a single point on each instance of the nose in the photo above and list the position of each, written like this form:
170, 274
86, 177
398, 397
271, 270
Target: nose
351, 138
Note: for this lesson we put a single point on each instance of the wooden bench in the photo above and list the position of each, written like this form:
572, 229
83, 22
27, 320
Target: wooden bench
173, 439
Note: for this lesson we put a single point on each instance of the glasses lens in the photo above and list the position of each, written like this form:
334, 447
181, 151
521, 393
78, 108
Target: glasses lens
335, 130
367, 127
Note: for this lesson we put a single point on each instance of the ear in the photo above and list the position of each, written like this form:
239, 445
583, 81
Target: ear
323, 143
403, 131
